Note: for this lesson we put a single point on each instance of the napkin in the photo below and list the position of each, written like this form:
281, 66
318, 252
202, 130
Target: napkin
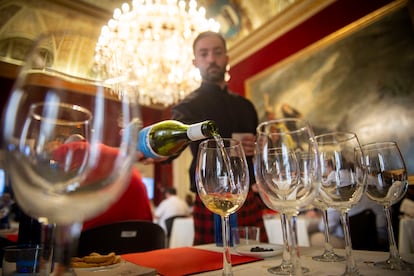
183, 260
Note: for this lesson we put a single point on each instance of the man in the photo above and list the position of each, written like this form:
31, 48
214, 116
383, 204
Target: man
232, 114
171, 206
133, 204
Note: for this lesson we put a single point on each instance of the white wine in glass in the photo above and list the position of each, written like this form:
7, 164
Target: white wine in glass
387, 183
70, 130
222, 179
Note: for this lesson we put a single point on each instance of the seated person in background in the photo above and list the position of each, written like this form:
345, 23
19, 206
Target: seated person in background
336, 230
132, 205
171, 206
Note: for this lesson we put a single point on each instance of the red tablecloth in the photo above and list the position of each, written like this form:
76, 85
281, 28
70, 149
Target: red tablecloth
183, 260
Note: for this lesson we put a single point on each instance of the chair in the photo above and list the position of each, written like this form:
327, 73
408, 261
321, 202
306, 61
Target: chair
169, 223
273, 227
122, 237
182, 232
363, 230
3, 243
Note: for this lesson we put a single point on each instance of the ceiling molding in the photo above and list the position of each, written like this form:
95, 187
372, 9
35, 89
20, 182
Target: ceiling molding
276, 27
84, 7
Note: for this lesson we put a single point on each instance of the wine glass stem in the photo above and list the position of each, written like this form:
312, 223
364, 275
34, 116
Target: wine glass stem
286, 254
294, 250
227, 270
66, 242
351, 268
47, 240
328, 246
394, 255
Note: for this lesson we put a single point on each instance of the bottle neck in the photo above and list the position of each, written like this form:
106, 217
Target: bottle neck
195, 133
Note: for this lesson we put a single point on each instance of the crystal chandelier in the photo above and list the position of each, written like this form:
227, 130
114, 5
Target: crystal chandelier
153, 46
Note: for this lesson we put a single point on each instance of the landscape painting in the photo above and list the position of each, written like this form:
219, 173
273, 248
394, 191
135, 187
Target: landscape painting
358, 79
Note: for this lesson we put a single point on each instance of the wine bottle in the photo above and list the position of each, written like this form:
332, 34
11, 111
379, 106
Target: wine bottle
170, 137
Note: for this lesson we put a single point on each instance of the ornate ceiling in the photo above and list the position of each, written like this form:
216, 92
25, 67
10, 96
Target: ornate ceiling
21, 21
237, 17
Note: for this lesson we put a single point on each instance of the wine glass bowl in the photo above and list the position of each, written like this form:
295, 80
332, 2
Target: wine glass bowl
222, 180
387, 183
47, 128
70, 136
287, 169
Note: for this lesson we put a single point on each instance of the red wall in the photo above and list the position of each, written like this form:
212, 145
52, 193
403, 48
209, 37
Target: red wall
332, 18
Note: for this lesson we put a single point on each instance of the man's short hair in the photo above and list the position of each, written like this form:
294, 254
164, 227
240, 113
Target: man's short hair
206, 34
170, 190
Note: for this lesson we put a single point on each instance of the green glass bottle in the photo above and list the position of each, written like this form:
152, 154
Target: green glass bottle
170, 137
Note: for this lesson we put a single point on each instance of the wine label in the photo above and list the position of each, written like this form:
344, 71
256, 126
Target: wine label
194, 132
144, 145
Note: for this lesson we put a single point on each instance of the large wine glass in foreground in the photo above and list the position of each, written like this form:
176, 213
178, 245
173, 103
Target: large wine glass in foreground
344, 186
287, 165
222, 179
70, 136
387, 183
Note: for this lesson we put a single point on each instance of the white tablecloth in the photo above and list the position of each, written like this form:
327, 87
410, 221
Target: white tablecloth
364, 261
406, 235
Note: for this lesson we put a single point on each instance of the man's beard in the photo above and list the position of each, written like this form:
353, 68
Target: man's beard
214, 76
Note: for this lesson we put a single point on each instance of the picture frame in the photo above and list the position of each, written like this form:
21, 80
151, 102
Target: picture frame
357, 79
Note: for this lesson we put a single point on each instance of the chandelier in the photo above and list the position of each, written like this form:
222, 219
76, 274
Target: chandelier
153, 46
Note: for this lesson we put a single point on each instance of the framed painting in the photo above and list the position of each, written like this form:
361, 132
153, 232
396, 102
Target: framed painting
360, 79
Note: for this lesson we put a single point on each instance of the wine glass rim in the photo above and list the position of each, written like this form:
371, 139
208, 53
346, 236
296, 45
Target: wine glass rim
378, 145
340, 136
78, 108
305, 123
233, 143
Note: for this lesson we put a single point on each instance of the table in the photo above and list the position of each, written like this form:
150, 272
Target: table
364, 260
406, 235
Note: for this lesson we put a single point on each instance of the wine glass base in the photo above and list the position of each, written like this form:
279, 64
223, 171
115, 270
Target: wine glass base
398, 264
352, 272
285, 270
328, 256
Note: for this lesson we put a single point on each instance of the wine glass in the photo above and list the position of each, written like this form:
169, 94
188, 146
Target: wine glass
287, 166
222, 179
70, 134
344, 186
387, 184
286, 266
328, 254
